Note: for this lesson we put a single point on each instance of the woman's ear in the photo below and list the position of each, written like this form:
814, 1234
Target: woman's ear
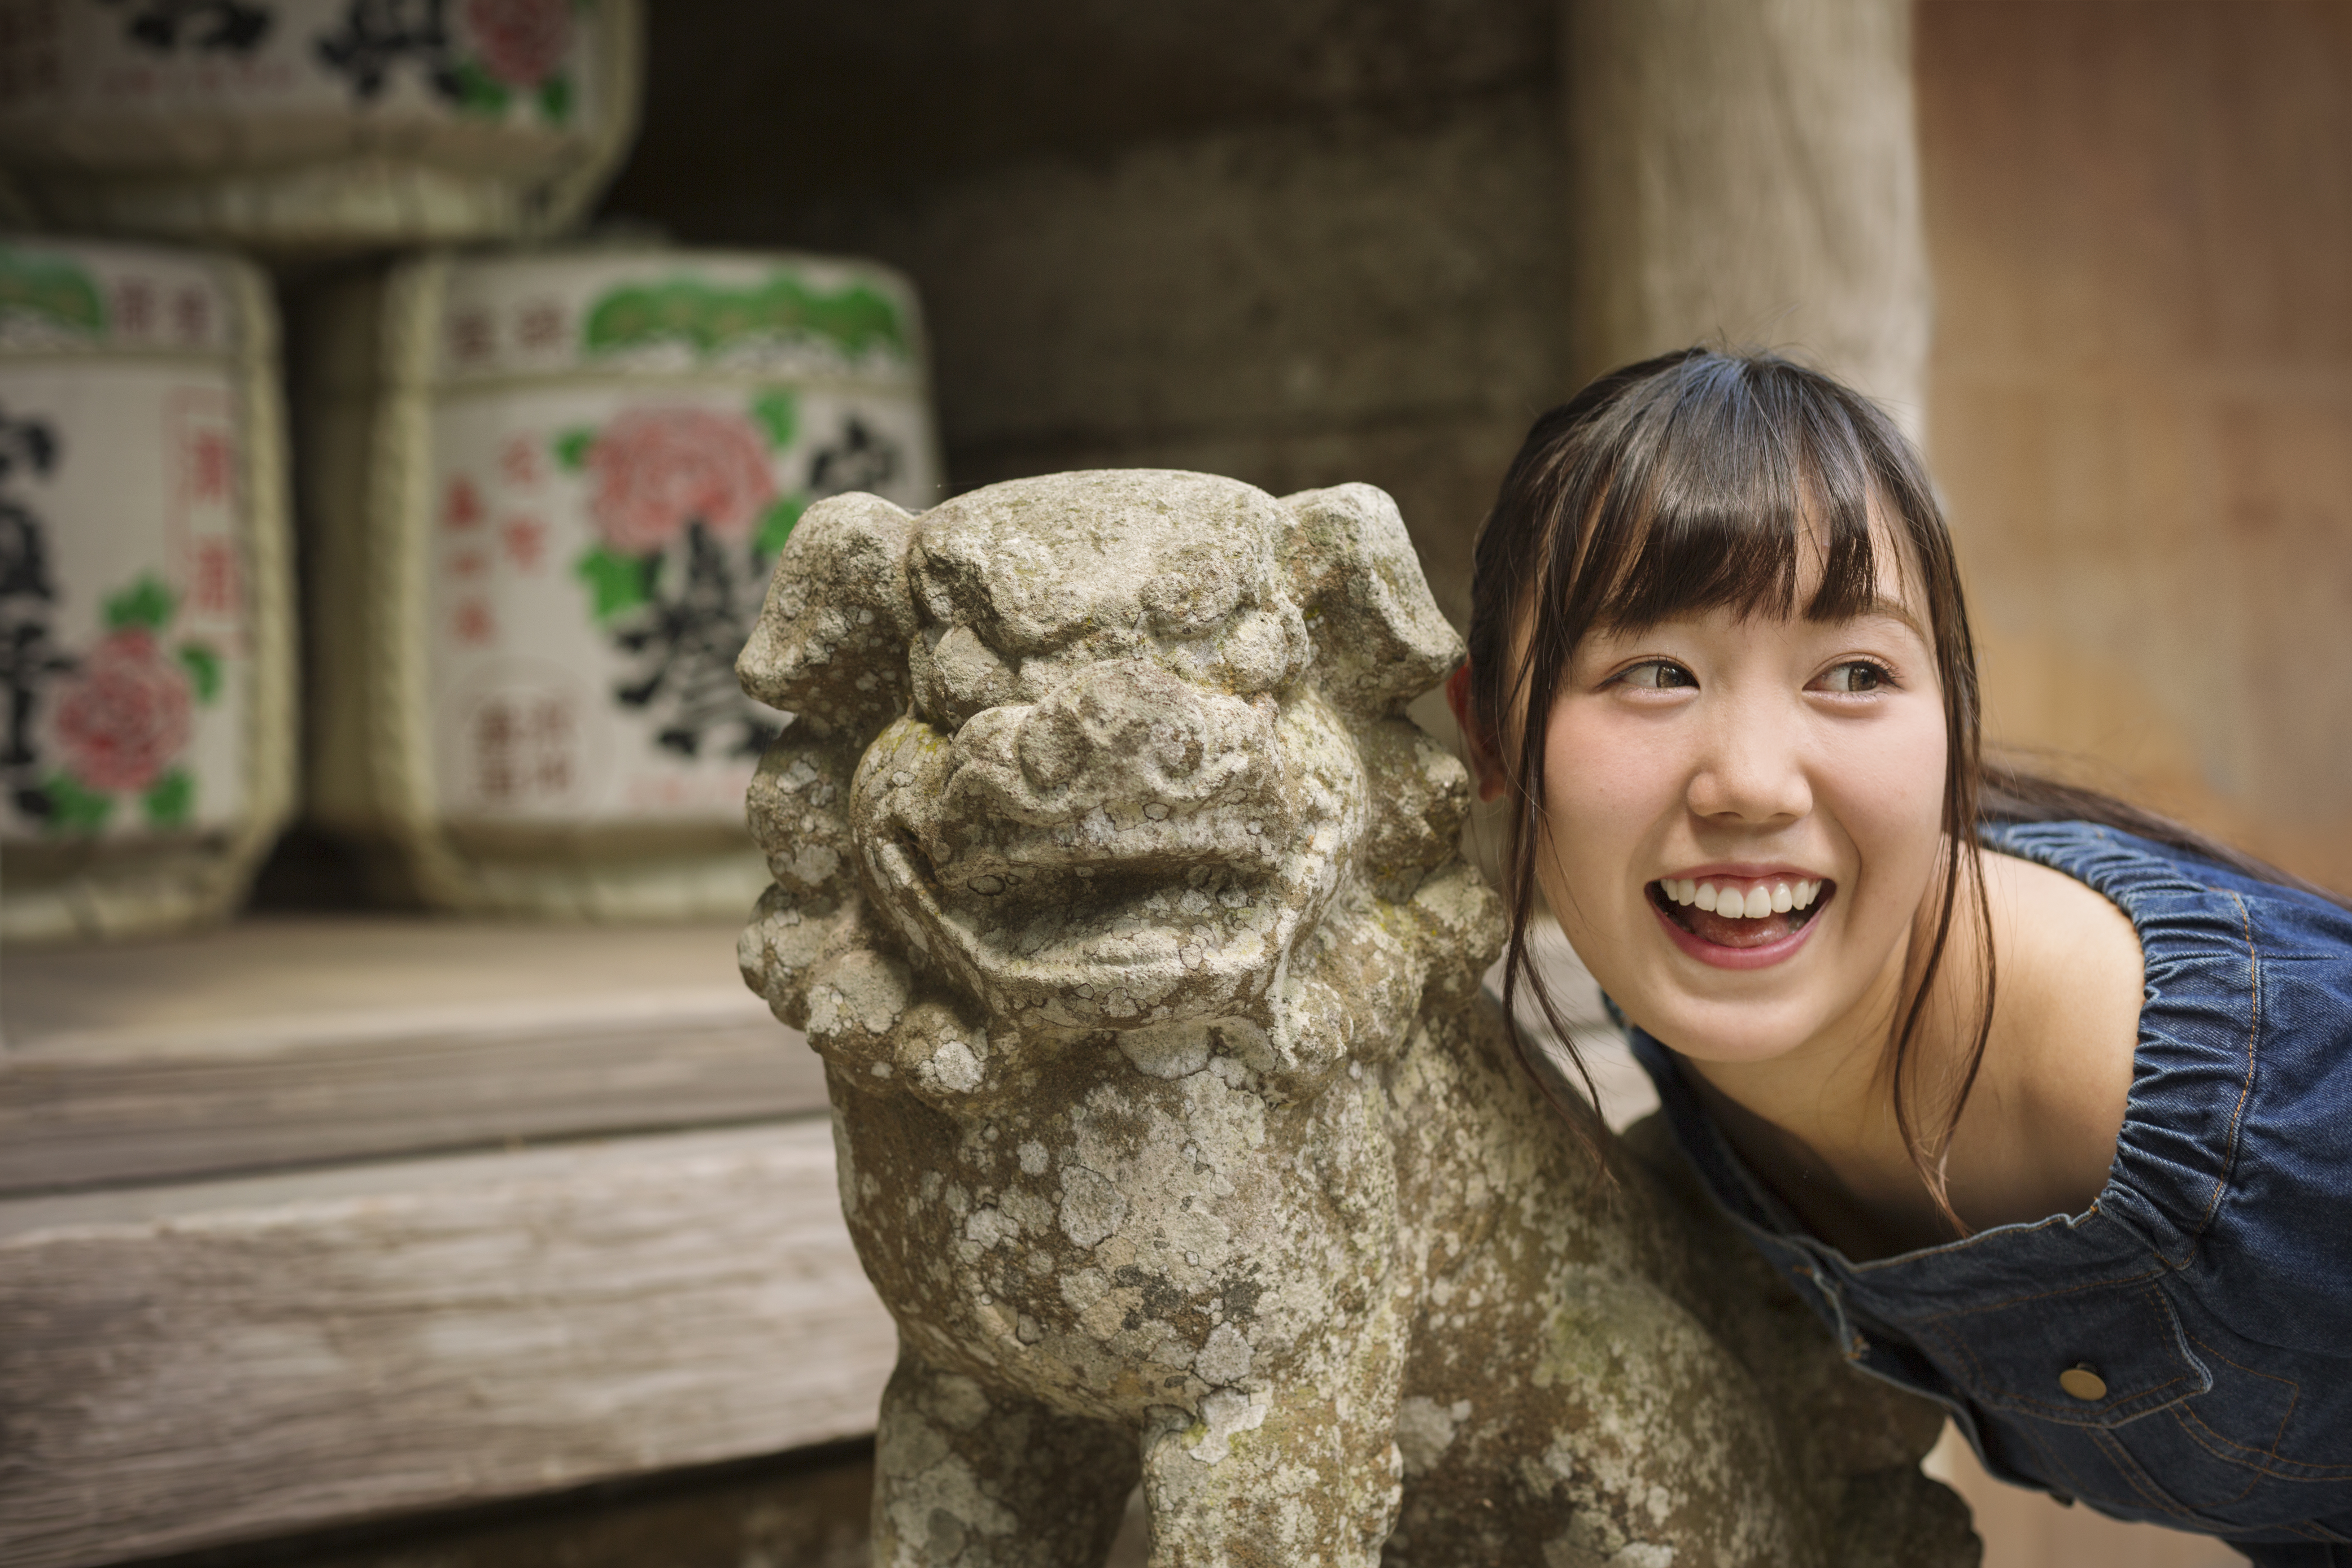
1486, 767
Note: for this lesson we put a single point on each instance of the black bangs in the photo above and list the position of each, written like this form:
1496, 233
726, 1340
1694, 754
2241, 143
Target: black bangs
1716, 482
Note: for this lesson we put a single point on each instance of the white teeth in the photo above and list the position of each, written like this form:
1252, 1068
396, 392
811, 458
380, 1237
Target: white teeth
1731, 903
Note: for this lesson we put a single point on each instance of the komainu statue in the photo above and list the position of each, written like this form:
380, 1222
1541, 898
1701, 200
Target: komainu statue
1124, 907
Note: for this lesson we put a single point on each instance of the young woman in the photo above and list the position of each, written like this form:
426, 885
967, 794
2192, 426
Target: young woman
2042, 1102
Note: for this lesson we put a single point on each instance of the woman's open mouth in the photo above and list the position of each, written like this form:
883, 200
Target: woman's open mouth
1739, 914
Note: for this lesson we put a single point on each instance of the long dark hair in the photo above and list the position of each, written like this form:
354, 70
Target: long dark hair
1689, 483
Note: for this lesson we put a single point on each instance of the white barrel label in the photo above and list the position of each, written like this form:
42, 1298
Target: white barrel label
123, 632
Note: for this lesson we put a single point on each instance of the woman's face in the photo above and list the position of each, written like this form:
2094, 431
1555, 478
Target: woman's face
1789, 771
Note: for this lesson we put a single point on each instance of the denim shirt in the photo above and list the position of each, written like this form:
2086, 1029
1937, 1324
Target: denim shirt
2205, 1295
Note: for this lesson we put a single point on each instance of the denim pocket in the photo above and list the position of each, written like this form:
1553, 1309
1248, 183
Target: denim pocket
2091, 1355
2164, 1422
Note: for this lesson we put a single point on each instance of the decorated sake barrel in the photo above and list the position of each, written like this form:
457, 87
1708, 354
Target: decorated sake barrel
316, 125
146, 745
549, 491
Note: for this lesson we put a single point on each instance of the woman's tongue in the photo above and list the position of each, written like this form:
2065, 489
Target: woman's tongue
1732, 930
1736, 933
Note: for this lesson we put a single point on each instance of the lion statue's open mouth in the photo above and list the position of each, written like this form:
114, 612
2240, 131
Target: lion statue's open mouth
1146, 868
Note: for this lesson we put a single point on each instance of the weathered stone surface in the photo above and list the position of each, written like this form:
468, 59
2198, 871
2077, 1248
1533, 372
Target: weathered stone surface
1364, 286
1123, 905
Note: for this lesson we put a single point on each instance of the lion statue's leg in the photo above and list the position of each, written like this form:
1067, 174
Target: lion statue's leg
983, 1478
1290, 1475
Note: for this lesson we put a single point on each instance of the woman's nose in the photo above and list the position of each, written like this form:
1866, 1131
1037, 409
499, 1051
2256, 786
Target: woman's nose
1751, 767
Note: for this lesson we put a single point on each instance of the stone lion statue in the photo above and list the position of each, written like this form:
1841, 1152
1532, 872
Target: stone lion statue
1124, 906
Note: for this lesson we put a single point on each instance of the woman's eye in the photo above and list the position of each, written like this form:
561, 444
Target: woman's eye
1858, 675
1657, 675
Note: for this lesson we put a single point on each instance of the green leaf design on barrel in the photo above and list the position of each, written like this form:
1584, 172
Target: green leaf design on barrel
54, 288
857, 319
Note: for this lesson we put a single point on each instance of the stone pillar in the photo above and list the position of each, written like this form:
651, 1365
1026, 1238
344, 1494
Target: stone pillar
1746, 172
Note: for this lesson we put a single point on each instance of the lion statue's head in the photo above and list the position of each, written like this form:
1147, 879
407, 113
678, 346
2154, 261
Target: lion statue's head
1119, 750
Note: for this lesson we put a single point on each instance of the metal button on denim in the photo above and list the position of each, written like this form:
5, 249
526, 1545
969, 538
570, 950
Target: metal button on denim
2083, 1383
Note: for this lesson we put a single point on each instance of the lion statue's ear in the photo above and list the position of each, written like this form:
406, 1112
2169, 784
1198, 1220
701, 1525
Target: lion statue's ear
1379, 641
831, 644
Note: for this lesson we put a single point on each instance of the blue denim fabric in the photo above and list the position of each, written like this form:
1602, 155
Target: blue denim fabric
2209, 1285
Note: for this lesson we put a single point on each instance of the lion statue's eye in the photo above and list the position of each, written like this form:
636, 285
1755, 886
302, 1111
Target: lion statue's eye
957, 676
1259, 652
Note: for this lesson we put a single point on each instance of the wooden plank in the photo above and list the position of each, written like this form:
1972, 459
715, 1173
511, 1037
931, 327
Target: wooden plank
331, 976
70, 1123
188, 1364
286, 1042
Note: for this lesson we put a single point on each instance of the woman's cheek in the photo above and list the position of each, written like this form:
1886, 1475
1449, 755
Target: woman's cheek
1888, 784
1596, 787
1616, 760
1608, 790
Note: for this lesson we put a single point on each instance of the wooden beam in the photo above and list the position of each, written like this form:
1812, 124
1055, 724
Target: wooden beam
1746, 172
275, 1043
202, 1362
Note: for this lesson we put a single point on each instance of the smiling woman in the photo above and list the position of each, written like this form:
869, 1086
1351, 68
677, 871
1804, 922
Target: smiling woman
1759, 608
1968, 1056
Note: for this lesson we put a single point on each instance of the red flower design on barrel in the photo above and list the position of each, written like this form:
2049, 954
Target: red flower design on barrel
126, 717
522, 41
655, 470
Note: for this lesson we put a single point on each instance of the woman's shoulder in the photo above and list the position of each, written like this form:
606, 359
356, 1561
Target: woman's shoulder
2038, 1135
2226, 954
2223, 947
2235, 1155
2135, 872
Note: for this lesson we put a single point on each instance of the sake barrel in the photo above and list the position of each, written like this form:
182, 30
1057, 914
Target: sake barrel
147, 747
316, 125
550, 490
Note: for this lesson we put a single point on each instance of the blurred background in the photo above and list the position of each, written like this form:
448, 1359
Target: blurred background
2094, 253
1310, 242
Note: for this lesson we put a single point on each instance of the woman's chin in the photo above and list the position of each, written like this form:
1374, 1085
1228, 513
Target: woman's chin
1729, 1015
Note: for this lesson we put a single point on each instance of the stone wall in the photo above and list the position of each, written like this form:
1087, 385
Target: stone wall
1295, 244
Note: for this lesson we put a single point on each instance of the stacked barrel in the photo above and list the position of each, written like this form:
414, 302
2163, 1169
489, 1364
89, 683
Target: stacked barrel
544, 476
